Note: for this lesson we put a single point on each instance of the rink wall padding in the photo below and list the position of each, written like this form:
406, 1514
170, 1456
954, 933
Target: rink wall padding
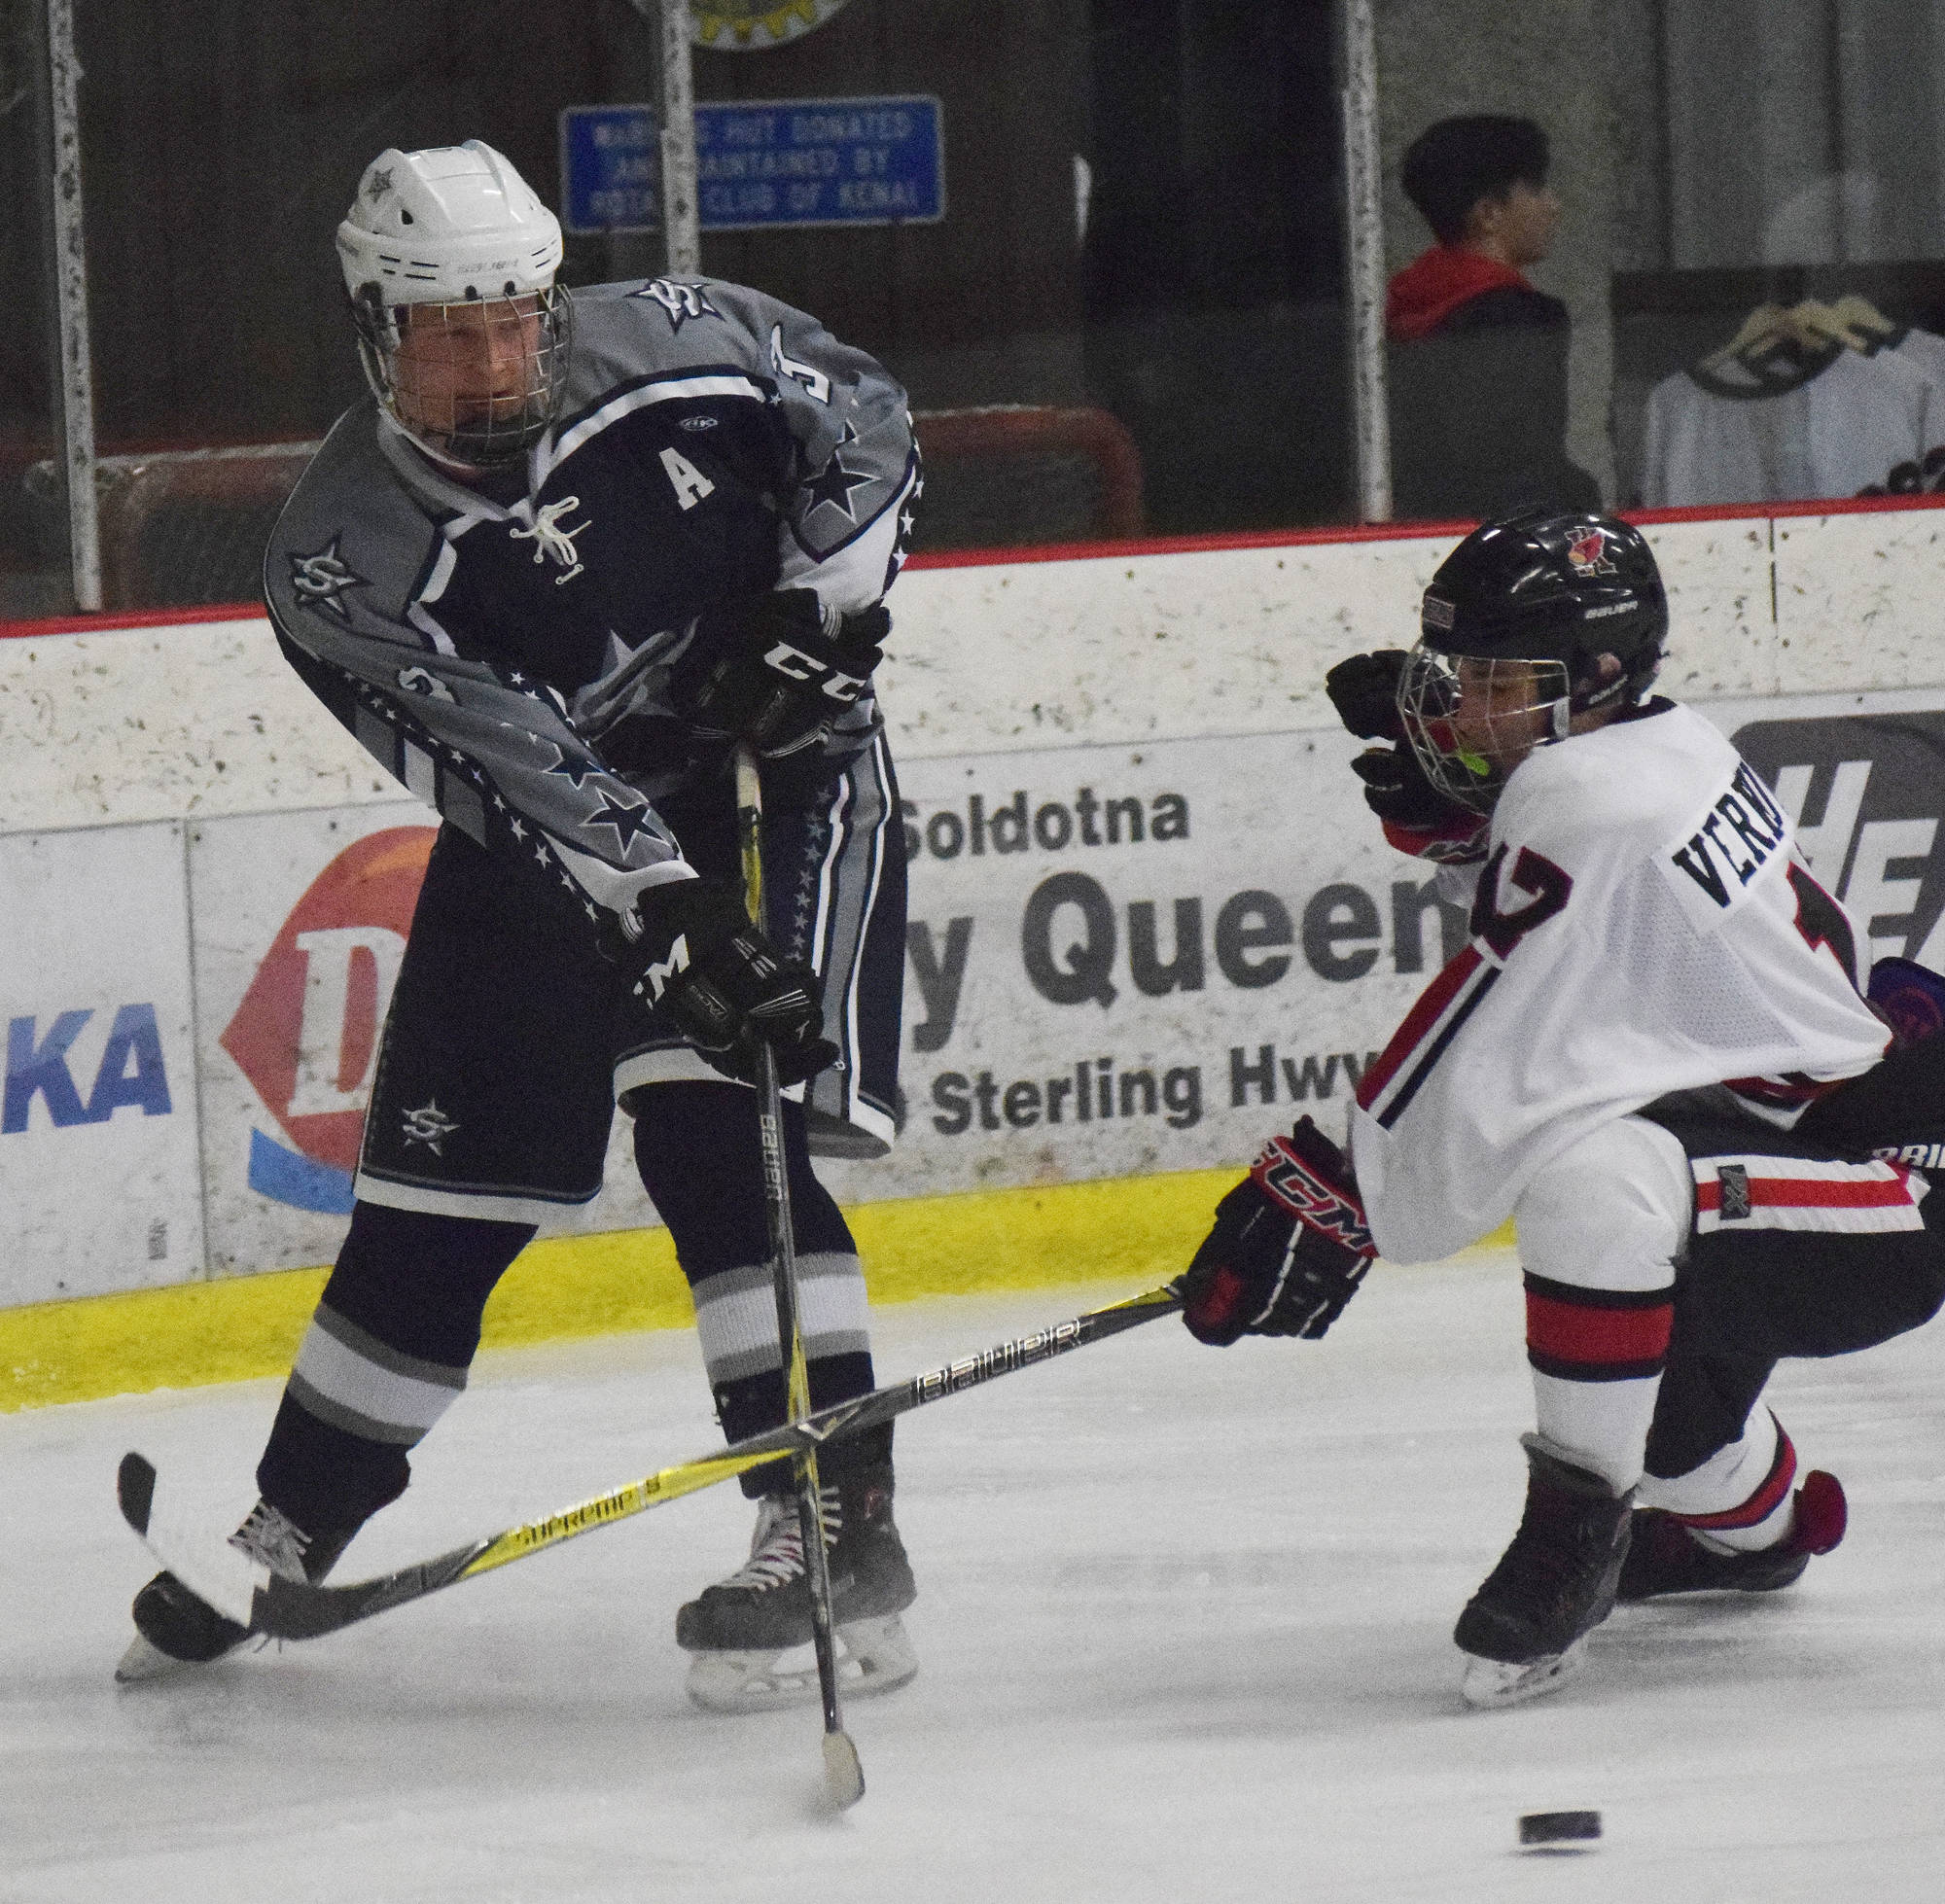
241, 1327
1151, 920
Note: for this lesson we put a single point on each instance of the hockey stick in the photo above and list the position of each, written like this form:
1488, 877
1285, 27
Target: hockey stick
245, 1591
843, 1774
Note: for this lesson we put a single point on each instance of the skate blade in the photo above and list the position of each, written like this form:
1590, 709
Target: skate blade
876, 1656
1489, 1683
142, 1661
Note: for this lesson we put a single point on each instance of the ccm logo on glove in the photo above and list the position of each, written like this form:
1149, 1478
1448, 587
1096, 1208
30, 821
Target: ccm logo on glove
723, 983
659, 972
768, 669
1289, 1248
800, 666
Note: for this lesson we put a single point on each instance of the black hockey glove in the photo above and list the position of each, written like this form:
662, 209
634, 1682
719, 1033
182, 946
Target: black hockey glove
721, 982
1398, 791
1289, 1248
1364, 691
761, 668
1417, 816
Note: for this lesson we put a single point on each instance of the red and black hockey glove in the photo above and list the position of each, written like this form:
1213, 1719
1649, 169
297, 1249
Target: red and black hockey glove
761, 669
1288, 1247
724, 986
1418, 819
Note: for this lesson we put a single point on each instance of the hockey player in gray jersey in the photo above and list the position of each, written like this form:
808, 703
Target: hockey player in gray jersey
568, 553
1653, 1055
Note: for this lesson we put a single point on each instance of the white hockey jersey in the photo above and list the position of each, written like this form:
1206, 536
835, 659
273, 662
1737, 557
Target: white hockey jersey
1643, 925
1731, 437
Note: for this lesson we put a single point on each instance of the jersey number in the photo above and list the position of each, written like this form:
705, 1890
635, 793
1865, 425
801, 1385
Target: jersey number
1532, 873
1824, 922
691, 484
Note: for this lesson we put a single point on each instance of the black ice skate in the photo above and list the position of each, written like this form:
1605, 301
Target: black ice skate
1524, 1632
740, 1628
1667, 1557
176, 1628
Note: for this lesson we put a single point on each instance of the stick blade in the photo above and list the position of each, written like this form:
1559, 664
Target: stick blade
843, 1774
135, 1490
213, 1569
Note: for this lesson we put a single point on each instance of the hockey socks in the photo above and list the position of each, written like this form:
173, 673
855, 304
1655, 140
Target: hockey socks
1735, 1524
1597, 1358
386, 1353
696, 1146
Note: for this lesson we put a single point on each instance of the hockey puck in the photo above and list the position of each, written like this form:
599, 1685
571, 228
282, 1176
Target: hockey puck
1561, 1830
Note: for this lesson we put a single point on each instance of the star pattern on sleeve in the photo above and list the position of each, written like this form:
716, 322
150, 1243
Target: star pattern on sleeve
834, 483
571, 769
628, 823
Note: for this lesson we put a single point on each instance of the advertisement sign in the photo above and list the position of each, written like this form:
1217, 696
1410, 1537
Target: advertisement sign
1866, 789
1123, 961
876, 160
98, 1166
301, 928
1120, 960
1132, 960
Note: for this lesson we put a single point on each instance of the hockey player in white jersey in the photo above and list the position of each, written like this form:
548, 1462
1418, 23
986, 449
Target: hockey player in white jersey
1630, 1058
567, 554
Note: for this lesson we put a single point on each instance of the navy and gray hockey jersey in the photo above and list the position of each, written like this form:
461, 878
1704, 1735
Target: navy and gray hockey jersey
508, 660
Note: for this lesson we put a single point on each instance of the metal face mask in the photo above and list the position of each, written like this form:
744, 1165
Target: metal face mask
1472, 718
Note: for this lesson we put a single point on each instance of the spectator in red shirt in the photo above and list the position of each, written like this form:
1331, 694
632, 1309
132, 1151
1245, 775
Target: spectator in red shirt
1478, 355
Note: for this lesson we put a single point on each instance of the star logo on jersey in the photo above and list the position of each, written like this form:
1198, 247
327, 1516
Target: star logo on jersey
428, 1125
628, 823
1587, 553
834, 485
680, 301
570, 767
320, 579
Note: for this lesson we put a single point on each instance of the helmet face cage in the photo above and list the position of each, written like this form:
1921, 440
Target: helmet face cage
1472, 718
476, 382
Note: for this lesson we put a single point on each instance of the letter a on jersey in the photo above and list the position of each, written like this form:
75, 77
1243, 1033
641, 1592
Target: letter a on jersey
691, 484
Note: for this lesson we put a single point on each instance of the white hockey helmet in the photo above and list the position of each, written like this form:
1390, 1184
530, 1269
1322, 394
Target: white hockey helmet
446, 225
449, 227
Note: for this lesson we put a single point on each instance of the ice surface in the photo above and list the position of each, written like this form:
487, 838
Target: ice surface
1184, 1617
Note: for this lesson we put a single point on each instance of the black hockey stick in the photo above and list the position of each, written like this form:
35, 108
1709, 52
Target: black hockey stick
243, 1589
843, 1772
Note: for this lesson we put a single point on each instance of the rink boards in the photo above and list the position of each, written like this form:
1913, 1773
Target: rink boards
1151, 920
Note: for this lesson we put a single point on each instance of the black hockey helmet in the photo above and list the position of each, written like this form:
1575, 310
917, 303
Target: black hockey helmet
1512, 633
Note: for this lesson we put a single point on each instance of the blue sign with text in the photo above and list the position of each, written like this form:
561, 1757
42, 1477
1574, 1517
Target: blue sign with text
761, 163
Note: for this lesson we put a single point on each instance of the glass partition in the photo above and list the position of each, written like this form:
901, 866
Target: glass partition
1725, 287
1701, 261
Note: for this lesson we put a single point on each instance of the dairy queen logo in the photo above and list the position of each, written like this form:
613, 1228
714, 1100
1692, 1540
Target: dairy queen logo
306, 1033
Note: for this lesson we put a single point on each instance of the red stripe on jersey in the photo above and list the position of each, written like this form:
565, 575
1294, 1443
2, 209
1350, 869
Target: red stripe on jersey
1578, 1333
1418, 1021
1766, 1498
1784, 1093
1813, 1192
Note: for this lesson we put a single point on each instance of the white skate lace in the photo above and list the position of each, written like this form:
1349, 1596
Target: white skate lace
270, 1537
546, 535
776, 1548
